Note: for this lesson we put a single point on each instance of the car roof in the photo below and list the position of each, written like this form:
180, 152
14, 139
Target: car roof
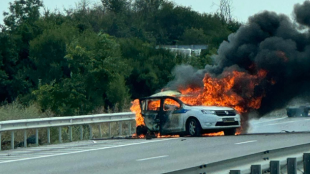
156, 97
167, 93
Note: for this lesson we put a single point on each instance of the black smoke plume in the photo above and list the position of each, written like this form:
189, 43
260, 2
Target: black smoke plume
268, 41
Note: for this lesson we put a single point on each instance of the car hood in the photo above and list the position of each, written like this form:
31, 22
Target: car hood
213, 108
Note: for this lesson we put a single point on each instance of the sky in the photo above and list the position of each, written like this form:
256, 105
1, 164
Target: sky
241, 9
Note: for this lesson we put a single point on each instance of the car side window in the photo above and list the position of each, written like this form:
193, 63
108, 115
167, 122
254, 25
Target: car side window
171, 105
153, 105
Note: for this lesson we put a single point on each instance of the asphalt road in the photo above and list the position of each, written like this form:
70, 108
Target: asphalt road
139, 156
279, 125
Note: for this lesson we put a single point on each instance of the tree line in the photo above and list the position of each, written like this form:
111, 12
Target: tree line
98, 56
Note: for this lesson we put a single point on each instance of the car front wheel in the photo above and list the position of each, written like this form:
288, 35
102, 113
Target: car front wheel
193, 127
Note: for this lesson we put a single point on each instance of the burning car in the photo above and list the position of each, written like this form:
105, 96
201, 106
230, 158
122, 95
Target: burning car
166, 114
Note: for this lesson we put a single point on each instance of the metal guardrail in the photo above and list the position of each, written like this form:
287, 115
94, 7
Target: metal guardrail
269, 161
14, 125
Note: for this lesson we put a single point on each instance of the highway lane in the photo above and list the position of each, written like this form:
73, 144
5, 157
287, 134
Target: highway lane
279, 124
142, 156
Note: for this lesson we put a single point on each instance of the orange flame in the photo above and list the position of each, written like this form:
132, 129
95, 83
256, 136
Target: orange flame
140, 136
167, 136
222, 91
135, 107
213, 134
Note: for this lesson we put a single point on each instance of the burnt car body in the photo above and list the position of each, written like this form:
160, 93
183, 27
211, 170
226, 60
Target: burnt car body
298, 111
169, 115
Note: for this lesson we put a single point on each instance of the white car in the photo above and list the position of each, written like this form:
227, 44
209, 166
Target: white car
169, 115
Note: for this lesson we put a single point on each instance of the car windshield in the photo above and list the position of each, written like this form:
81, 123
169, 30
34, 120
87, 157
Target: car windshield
184, 101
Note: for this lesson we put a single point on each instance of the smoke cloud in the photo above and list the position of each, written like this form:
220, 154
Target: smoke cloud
302, 13
271, 42
186, 75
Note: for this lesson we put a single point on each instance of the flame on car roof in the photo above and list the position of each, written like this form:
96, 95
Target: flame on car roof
167, 93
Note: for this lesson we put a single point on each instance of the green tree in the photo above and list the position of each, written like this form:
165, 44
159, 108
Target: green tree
64, 98
151, 67
47, 52
18, 29
22, 12
194, 36
96, 78
8, 59
116, 6
204, 59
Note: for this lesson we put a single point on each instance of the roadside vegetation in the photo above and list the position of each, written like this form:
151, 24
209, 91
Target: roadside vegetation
16, 110
94, 59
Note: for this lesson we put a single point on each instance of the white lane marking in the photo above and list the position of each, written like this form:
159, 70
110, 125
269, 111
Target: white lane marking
102, 148
281, 123
271, 120
156, 157
252, 141
45, 151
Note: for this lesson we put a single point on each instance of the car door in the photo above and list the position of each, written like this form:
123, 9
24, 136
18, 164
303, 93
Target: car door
150, 110
171, 117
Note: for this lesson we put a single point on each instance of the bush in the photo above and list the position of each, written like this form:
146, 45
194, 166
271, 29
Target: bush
16, 111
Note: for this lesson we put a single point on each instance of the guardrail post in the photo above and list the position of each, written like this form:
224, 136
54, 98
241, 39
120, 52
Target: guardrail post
59, 135
25, 138
129, 127
90, 132
12, 140
274, 167
37, 137
109, 129
48, 135
100, 133
70, 133
291, 166
0, 142
235, 172
81, 132
306, 160
120, 128
256, 169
